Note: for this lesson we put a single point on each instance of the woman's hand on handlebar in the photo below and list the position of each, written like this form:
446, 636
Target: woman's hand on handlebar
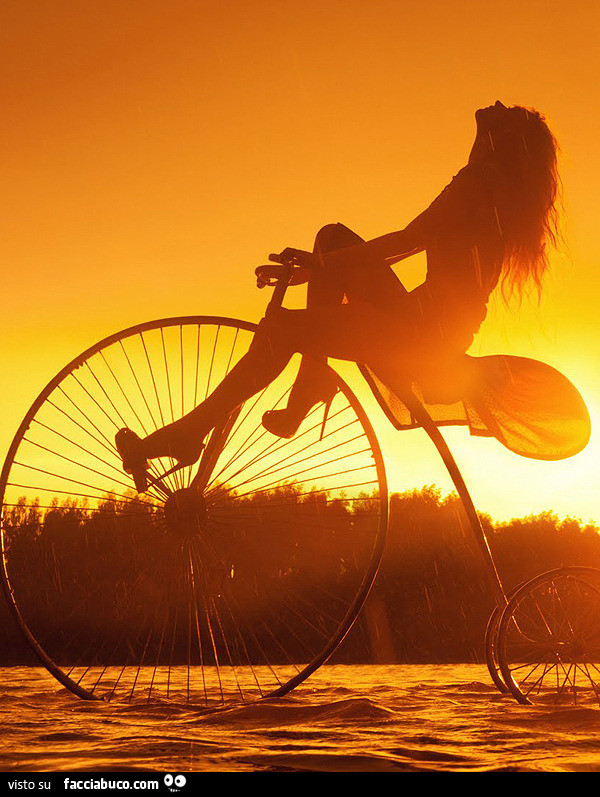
301, 263
295, 257
269, 275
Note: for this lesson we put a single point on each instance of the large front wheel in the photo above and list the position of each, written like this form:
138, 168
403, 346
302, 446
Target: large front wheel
231, 580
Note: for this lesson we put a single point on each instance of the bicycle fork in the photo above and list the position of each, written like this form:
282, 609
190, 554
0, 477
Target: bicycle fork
221, 432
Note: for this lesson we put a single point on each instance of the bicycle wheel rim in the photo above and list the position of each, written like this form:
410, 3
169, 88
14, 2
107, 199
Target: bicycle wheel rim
82, 684
548, 639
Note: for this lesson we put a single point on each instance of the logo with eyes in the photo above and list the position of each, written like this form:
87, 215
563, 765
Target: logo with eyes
175, 783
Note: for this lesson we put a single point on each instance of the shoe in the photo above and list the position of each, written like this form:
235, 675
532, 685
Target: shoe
285, 423
130, 448
314, 384
178, 441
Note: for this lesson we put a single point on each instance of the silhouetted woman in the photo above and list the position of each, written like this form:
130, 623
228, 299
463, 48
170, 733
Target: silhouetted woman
491, 224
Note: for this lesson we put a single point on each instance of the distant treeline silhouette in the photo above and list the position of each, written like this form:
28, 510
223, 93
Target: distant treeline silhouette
430, 602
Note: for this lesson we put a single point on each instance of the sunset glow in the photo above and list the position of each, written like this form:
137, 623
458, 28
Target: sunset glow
151, 162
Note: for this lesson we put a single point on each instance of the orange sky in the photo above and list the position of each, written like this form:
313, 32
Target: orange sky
155, 152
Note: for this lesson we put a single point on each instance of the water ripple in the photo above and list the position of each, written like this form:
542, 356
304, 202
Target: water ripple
400, 718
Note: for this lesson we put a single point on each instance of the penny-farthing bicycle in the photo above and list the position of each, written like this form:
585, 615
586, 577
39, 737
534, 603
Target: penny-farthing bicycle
236, 578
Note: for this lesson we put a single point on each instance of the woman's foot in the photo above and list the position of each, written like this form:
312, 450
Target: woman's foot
314, 384
170, 441
181, 441
131, 450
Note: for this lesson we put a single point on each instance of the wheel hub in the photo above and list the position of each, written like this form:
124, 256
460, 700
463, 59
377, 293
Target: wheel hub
185, 513
570, 650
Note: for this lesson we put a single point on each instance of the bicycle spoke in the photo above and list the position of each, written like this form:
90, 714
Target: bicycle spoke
227, 581
549, 645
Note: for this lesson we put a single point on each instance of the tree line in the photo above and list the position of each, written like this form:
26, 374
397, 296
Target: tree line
430, 601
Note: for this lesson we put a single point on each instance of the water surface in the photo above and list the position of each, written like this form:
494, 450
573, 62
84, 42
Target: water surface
344, 718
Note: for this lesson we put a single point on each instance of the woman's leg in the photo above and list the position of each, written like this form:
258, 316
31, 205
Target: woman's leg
328, 327
326, 289
263, 362
370, 283
328, 286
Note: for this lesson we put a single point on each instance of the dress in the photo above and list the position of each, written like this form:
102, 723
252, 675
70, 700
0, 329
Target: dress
461, 233
528, 406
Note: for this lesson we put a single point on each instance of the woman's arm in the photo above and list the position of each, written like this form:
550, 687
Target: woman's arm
459, 205
392, 247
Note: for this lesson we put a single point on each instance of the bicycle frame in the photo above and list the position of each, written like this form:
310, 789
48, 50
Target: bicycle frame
420, 414
220, 434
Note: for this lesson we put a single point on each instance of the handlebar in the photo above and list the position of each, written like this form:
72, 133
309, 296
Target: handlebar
271, 275
267, 276
279, 276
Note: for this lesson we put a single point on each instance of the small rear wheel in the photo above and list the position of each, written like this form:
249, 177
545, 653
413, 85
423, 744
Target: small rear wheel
548, 639
491, 650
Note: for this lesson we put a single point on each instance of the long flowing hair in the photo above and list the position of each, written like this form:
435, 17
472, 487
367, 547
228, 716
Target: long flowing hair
528, 151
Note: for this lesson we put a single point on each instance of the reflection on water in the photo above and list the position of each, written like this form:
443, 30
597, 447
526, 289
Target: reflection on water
376, 718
